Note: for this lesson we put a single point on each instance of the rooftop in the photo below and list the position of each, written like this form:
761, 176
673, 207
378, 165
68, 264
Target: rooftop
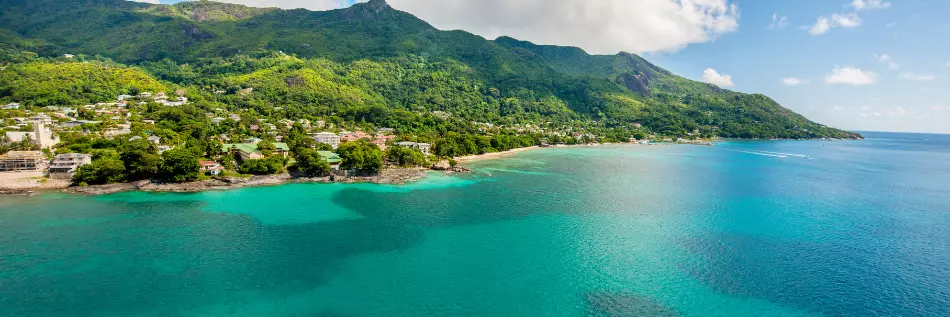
331, 157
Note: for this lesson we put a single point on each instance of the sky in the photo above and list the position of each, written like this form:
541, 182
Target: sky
862, 65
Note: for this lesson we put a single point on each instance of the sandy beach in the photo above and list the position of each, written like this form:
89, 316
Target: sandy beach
486, 156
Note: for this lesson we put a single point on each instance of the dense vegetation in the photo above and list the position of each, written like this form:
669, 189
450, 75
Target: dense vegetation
361, 68
359, 60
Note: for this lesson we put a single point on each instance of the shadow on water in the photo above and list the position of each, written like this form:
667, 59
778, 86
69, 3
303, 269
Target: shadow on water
626, 305
172, 256
168, 254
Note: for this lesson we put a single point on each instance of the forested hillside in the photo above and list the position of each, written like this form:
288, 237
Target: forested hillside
369, 63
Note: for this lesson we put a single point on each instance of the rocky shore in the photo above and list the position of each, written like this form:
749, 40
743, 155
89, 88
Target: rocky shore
387, 176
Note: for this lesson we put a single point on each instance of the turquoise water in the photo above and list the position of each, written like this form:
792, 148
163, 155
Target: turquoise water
858, 228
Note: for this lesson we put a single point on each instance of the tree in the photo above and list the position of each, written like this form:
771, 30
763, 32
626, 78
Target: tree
103, 171
360, 155
404, 156
180, 165
266, 148
141, 159
310, 163
323, 147
269, 166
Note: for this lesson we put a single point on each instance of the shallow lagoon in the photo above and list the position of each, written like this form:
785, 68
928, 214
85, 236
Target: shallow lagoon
857, 228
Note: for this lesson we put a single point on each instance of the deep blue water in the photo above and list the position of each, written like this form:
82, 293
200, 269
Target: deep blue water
858, 228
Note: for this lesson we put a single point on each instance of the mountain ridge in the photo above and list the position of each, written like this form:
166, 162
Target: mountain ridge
623, 87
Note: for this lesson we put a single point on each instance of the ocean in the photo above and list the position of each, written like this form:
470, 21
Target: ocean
744, 228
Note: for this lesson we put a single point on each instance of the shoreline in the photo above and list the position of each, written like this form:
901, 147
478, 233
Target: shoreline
478, 157
392, 176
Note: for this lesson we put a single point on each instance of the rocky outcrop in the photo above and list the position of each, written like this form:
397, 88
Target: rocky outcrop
442, 165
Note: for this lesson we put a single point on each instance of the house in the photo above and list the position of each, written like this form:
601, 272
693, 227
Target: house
248, 151
15, 161
113, 132
356, 136
11, 106
148, 121
145, 95
160, 96
234, 117
164, 148
135, 138
217, 120
155, 139
320, 124
65, 165
327, 138
124, 97
211, 167
421, 147
42, 118
382, 140
331, 158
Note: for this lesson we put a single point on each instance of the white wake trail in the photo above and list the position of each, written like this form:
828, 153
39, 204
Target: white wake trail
757, 153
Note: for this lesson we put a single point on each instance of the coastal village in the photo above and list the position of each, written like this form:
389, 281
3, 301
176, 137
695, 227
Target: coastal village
34, 158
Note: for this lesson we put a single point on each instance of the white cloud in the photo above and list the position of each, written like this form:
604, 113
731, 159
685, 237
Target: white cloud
848, 20
820, 27
947, 64
865, 108
824, 24
940, 108
714, 77
792, 81
890, 25
604, 26
884, 58
917, 77
778, 22
147, 1
318, 5
898, 112
850, 75
870, 4
877, 114
837, 108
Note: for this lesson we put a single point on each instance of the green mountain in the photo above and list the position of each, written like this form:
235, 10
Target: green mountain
371, 58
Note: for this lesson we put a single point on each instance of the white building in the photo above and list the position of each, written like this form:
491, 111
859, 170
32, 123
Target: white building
65, 165
327, 138
11, 106
42, 118
40, 136
421, 147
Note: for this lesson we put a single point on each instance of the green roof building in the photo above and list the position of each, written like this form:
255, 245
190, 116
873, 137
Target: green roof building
331, 157
248, 151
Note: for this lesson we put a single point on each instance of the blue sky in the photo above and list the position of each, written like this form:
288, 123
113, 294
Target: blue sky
873, 65
914, 34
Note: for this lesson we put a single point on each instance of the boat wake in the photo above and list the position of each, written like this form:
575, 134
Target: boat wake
786, 154
759, 153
